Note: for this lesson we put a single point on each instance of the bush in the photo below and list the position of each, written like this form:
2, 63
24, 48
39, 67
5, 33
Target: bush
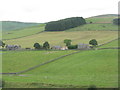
72, 46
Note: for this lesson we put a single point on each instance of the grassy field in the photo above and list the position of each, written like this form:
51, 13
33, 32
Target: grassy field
15, 61
57, 38
78, 70
22, 32
101, 19
111, 44
95, 27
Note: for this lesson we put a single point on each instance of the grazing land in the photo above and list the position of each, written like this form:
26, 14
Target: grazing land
79, 70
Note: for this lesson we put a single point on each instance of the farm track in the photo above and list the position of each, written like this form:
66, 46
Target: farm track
29, 69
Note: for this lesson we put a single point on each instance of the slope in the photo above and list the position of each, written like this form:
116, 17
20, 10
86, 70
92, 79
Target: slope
57, 38
78, 70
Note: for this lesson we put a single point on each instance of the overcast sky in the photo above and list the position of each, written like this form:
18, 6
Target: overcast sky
50, 10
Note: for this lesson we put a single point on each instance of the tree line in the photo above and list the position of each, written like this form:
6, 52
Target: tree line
64, 24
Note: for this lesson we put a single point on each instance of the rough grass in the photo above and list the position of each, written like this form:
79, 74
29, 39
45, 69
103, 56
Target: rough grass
57, 38
15, 61
98, 67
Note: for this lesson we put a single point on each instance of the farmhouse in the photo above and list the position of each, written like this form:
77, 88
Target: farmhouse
13, 47
83, 46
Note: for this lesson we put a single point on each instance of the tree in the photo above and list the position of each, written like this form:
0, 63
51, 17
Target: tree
37, 46
46, 45
2, 43
67, 42
93, 42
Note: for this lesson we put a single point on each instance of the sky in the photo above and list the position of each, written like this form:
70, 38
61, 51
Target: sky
50, 10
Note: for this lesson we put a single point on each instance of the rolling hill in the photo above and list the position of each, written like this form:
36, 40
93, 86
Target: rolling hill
79, 70
14, 25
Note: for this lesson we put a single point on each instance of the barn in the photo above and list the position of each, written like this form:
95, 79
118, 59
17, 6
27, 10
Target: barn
83, 46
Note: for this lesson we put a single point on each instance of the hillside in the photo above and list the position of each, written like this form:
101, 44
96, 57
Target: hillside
98, 23
14, 25
57, 38
83, 69
13, 34
107, 15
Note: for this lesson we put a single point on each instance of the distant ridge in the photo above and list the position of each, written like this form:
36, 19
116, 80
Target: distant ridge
107, 15
15, 25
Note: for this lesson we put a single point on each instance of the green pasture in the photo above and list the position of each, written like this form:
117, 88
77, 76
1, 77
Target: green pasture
57, 38
111, 44
96, 67
95, 27
22, 32
15, 61
100, 19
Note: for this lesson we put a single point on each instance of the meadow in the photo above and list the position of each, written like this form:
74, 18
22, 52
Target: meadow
79, 70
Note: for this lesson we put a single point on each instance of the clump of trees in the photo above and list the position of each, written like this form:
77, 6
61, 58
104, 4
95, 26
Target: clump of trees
64, 24
46, 45
116, 21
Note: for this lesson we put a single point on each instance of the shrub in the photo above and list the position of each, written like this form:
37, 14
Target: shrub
72, 46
